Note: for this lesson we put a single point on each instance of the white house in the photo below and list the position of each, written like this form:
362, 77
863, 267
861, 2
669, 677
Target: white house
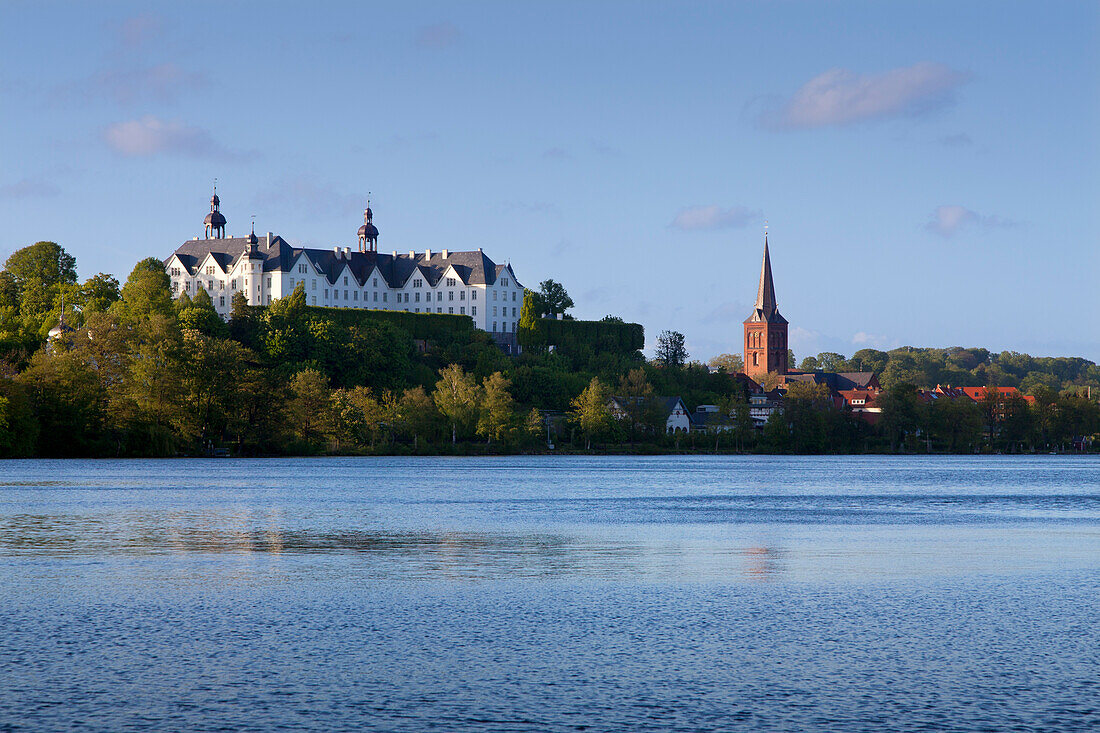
677, 417
267, 268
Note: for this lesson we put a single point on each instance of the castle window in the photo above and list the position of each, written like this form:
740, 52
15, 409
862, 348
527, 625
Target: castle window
473, 295
450, 282
462, 295
451, 310
462, 310
375, 282
417, 298
513, 295
315, 300
755, 359
302, 268
345, 280
473, 310
450, 295
376, 297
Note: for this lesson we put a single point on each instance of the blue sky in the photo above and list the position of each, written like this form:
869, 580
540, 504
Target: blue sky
930, 171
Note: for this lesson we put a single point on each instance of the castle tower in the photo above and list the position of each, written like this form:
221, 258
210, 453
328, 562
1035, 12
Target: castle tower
215, 221
368, 233
765, 329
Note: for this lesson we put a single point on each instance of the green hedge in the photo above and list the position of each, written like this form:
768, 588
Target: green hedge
598, 335
427, 326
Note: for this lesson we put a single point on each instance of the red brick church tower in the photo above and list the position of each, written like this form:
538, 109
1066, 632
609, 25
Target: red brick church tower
765, 329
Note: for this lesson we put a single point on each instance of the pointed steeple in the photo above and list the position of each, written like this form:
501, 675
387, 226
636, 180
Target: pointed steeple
765, 294
766, 309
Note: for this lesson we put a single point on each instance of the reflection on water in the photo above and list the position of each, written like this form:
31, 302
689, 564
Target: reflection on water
546, 594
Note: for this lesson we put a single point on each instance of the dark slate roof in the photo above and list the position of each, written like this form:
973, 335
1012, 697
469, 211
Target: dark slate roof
473, 268
836, 381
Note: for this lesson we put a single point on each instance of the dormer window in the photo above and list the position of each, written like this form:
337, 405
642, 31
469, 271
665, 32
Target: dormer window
302, 269
209, 269
450, 282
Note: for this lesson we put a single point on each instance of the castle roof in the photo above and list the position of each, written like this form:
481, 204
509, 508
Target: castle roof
278, 255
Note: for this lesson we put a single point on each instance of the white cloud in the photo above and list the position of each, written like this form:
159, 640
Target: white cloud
151, 135
947, 220
865, 340
709, 218
840, 96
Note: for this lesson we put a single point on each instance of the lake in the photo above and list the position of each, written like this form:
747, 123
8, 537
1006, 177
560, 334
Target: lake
551, 594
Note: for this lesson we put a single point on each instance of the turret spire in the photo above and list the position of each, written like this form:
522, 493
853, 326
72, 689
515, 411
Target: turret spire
765, 294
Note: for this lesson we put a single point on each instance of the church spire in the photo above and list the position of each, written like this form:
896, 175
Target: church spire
765, 294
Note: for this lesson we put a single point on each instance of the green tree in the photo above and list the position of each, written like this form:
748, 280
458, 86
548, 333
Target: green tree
201, 316
44, 262
590, 412
901, 416
418, 414
99, 292
526, 334
146, 291
309, 407
671, 352
552, 299
456, 396
497, 409
728, 363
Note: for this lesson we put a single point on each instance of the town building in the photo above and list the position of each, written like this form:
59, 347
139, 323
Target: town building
266, 268
672, 409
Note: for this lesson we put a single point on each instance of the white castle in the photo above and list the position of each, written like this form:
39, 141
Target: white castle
267, 268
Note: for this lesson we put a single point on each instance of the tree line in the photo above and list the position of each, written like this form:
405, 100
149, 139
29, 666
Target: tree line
136, 373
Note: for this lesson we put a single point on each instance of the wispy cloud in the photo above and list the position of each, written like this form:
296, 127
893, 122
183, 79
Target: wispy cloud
161, 83
138, 30
151, 135
958, 140
947, 220
709, 218
312, 197
26, 188
437, 35
865, 340
841, 97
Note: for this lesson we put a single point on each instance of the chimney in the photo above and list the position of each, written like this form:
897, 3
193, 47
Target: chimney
395, 253
427, 254
336, 251
444, 253
347, 252
479, 249
412, 254
269, 239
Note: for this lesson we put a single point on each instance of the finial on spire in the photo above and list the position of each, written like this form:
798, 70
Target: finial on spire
253, 223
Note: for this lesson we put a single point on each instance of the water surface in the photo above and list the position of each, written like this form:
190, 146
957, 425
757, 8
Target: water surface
543, 593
